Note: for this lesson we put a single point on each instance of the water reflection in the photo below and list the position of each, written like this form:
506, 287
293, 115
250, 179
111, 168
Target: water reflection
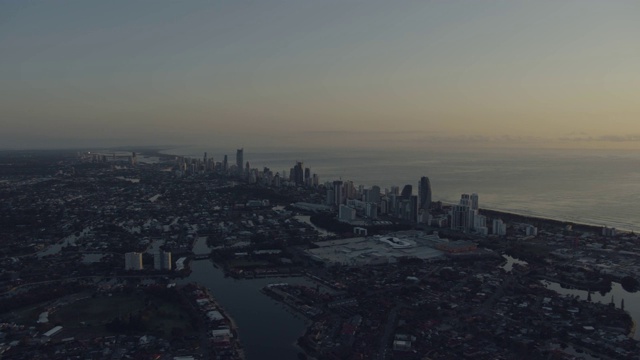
69, 240
200, 246
267, 329
508, 266
617, 293
307, 220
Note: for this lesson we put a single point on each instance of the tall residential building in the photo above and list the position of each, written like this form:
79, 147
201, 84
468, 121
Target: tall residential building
133, 261
225, 164
408, 208
162, 260
465, 200
474, 201
331, 197
371, 210
298, 173
349, 190
407, 191
374, 194
424, 192
337, 193
499, 227
460, 217
346, 213
240, 160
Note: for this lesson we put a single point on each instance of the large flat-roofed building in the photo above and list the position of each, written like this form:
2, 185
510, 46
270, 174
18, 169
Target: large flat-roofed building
376, 250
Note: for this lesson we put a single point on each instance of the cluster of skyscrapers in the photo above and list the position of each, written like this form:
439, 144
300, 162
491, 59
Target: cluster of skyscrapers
371, 202
298, 175
351, 201
301, 176
465, 216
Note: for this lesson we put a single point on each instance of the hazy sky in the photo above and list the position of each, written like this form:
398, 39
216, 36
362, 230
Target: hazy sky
249, 73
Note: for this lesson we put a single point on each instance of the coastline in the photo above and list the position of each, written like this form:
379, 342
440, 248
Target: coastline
577, 223
542, 219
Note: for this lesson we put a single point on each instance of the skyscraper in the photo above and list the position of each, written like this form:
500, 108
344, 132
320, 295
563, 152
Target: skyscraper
225, 164
474, 201
424, 193
374, 194
337, 192
298, 173
465, 200
460, 219
407, 190
240, 160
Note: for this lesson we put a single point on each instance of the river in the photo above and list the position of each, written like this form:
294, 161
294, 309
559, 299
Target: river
69, 240
307, 220
631, 300
267, 329
508, 266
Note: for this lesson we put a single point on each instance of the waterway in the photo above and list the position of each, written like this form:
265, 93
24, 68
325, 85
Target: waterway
508, 266
267, 329
631, 300
307, 220
200, 246
69, 240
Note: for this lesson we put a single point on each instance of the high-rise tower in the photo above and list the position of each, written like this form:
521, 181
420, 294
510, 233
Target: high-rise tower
407, 190
474, 202
424, 193
239, 160
298, 173
337, 193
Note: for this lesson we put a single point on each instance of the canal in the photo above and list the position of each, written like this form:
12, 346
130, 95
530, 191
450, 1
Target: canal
631, 299
267, 329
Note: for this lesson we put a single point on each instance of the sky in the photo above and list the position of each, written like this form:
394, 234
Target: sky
320, 73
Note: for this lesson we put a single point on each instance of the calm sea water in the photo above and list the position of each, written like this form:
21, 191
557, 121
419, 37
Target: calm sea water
588, 186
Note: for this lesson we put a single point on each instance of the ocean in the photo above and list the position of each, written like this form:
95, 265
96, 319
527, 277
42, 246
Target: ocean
599, 187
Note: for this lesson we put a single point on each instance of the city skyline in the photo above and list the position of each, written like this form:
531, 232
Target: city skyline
287, 74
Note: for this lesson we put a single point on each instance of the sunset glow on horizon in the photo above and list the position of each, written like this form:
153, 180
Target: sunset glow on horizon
289, 73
